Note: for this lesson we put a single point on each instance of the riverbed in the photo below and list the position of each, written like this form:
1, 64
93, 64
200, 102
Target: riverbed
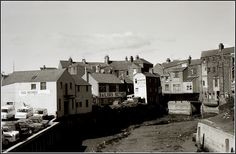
148, 137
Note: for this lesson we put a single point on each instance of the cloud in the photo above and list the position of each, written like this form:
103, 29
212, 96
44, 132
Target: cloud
101, 42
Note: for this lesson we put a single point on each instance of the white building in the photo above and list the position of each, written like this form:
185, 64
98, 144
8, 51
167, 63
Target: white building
147, 86
53, 89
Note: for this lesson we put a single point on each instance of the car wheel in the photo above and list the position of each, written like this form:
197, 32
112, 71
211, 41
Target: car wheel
5, 142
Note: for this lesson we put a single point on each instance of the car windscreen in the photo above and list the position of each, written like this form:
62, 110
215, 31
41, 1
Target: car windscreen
39, 112
5, 110
22, 110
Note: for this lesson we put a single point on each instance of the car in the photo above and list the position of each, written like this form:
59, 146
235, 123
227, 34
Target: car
39, 119
43, 112
7, 112
9, 136
27, 126
24, 112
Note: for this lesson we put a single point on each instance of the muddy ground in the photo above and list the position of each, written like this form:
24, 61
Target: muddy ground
161, 135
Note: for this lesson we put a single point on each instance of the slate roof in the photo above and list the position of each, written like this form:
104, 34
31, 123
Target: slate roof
79, 81
150, 74
217, 52
177, 69
121, 65
64, 63
33, 76
195, 62
173, 63
105, 78
142, 61
189, 79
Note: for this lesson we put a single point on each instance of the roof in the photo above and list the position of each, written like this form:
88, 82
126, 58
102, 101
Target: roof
105, 78
189, 79
195, 62
64, 63
121, 65
217, 52
173, 63
128, 80
79, 81
33, 76
150, 74
223, 121
177, 69
142, 61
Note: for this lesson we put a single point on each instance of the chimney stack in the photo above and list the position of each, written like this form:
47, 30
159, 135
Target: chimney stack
106, 59
70, 60
189, 60
131, 59
84, 61
126, 58
86, 74
98, 69
221, 46
137, 57
168, 60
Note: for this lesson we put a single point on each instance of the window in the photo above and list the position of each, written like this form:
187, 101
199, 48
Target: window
192, 72
70, 85
33, 86
135, 80
208, 69
176, 74
112, 88
78, 88
61, 85
87, 103
77, 104
102, 88
189, 87
213, 69
73, 104
127, 73
42, 85
80, 104
59, 108
216, 82
176, 87
136, 89
203, 83
166, 87
166, 78
87, 88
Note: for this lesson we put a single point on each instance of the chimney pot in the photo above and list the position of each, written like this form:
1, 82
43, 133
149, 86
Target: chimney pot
221, 46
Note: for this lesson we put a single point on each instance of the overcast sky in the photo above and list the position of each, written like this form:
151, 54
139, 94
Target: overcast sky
34, 34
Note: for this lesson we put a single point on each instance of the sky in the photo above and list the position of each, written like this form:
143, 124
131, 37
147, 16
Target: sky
40, 33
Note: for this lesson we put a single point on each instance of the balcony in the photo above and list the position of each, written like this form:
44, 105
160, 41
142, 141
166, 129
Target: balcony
111, 94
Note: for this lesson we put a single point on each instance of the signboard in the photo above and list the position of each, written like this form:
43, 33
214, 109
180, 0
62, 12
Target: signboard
33, 92
112, 94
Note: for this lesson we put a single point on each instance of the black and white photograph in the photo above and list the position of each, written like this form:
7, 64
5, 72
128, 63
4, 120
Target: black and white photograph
118, 76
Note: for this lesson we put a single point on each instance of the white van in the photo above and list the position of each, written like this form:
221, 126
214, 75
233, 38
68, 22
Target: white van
24, 112
7, 112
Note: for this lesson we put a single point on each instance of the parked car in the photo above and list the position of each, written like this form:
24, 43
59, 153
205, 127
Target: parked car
39, 119
9, 136
27, 126
7, 112
43, 112
24, 112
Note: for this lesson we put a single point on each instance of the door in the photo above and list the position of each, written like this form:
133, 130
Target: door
66, 107
66, 89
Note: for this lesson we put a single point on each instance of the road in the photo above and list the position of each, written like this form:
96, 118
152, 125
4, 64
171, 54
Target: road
149, 137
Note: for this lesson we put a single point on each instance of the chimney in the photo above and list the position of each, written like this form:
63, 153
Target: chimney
106, 59
189, 60
86, 74
97, 68
131, 59
168, 60
221, 46
70, 60
126, 58
137, 57
84, 61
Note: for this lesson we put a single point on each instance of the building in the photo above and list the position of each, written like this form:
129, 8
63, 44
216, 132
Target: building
217, 75
53, 89
147, 86
106, 88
